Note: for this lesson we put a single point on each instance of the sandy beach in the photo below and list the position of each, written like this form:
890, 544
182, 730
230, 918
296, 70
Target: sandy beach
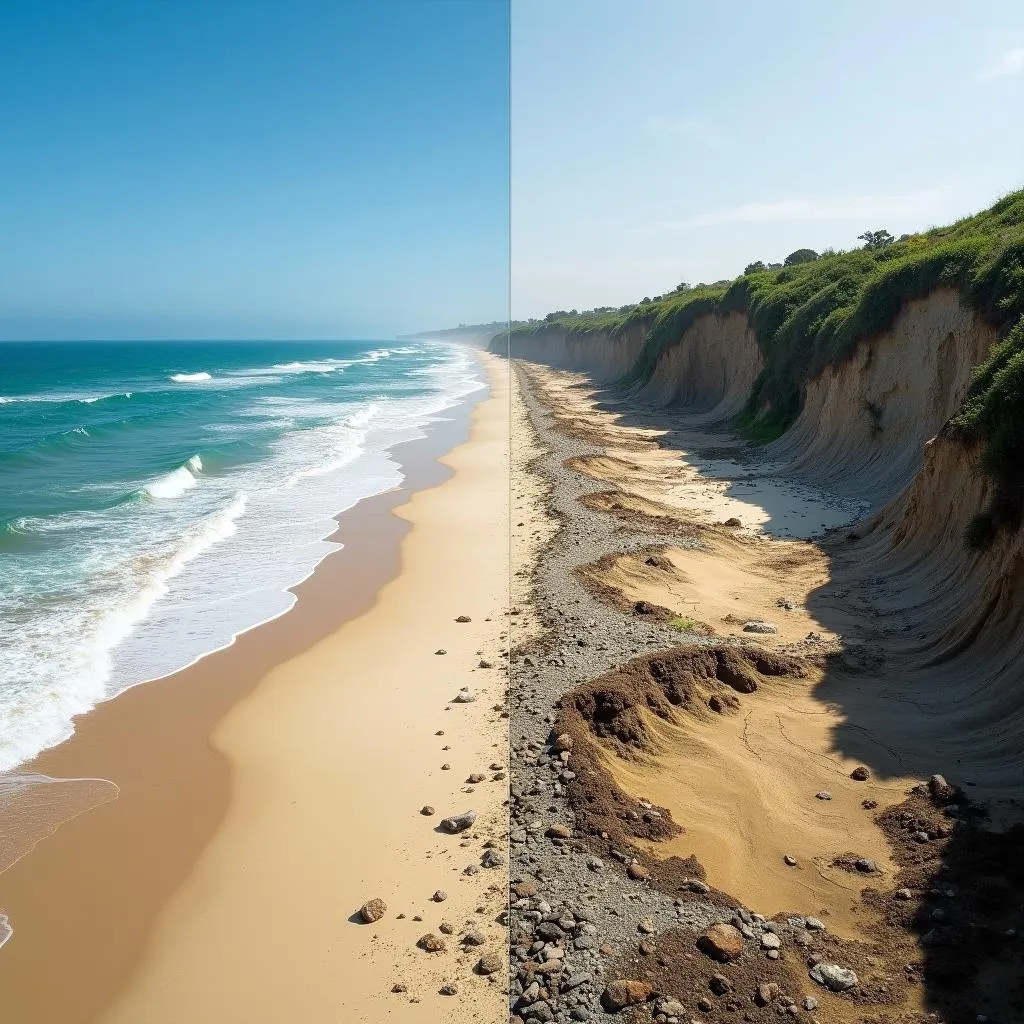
268, 792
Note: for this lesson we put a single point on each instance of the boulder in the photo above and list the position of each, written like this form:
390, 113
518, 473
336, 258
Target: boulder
458, 822
373, 910
721, 942
625, 992
833, 977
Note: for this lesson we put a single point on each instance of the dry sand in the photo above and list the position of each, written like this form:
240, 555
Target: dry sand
221, 885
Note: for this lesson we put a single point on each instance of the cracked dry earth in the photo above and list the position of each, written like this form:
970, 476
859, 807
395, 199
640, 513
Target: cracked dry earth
621, 903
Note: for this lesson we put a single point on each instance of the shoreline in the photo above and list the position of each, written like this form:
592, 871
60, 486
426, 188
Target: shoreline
88, 897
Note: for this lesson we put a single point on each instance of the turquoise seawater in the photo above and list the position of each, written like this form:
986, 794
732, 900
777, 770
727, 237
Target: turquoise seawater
156, 499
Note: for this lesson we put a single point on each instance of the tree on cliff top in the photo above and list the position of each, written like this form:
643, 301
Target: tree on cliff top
876, 239
801, 256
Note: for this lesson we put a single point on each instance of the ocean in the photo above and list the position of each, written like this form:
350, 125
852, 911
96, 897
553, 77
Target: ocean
158, 498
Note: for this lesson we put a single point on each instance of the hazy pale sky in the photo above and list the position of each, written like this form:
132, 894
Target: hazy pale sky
251, 168
660, 141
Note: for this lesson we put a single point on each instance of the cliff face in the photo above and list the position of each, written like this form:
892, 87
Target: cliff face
865, 421
602, 355
710, 370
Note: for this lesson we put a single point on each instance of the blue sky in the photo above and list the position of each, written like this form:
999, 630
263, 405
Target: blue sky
305, 169
659, 141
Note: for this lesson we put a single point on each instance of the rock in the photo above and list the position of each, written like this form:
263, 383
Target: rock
860, 774
814, 925
637, 871
446, 767
475, 778
646, 926
427, 810
493, 859
719, 984
373, 910
868, 867
833, 977
670, 1007
489, 963
940, 789
483, 663
446, 928
823, 794
733, 521
439, 896
810, 1003
463, 618
473, 938
399, 987
562, 743
790, 860
767, 993
757, 626
647, 947
448, 989
559, 831
431, 943
869, 805
440, 650
903, 894
721, 942
620, 994
464, 696
458, 822
769, 940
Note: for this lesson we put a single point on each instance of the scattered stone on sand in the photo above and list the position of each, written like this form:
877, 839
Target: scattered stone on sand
559, 831
463, 618
473, 938
440, 650
562, 743
646, 926
790, 860
823, 794
940, 789
903, 894
446, 767
373, 910
399, 987
475, 778
525, 889
458, 822
637, 871
493, 859
484, 663
767, 993
625, 992
431, 943
869, 805
860, 774
833, 977
439, 896
769, 940
464, 696
446, 928
759, 626
489, 963
426, 810
721, 942
720, 984
732, 521
448, 989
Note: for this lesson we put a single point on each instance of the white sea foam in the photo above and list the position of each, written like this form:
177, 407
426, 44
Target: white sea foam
177, 482
189, 378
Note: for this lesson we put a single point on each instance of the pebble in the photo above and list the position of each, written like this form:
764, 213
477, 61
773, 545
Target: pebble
373, 910
833, 977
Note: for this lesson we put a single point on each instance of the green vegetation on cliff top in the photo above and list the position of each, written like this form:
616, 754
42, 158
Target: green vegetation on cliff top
812, 314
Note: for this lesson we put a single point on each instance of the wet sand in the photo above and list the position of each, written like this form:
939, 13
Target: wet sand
271, 788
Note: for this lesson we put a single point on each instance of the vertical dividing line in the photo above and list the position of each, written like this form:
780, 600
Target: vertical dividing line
509, 455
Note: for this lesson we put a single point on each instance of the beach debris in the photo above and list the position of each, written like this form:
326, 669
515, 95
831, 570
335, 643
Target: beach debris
790, 860
489, 963
473, 938
373, 910
833, 977
823, 794
475, 778
448, 989
446, 767
426, 810
940, 789
446, 928
493, 859
431, 943
721, 942
625, 992
440, 650
759, 626
464, 696
399, 987
458, 822
860, 774
439, 896
463, 618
